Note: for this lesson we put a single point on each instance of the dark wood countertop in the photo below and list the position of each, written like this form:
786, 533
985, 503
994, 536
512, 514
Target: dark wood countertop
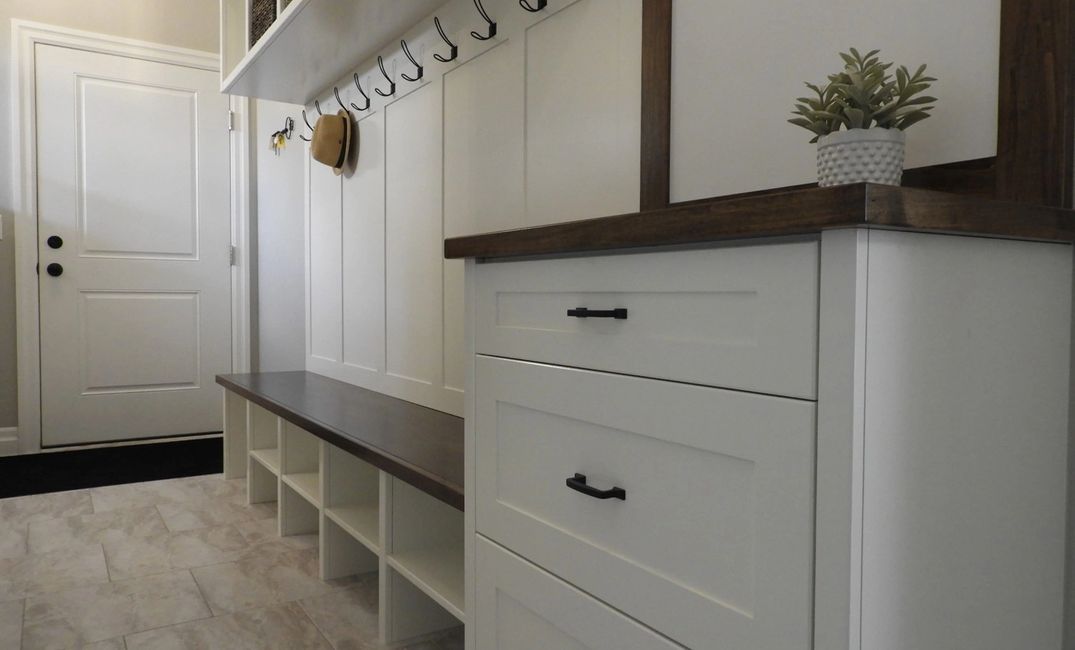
419, 445
798, 212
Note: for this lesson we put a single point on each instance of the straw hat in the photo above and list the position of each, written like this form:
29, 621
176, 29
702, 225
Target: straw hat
332, 140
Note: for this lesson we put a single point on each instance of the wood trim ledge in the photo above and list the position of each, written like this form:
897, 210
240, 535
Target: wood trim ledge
799, 212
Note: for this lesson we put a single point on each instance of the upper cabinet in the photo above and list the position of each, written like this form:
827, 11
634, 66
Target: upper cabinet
310, 44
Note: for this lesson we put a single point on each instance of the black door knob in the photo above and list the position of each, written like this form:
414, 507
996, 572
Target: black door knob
55, 241
54, 269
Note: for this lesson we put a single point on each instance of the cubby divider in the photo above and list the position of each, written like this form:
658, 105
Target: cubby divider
235, 439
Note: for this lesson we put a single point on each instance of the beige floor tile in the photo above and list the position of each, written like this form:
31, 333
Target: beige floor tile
161, 553
262, 535
150, 493
347, 618
263, 579
11, 625
19, 511
36, 574
217, 488
12, 540
282, 627
259, 530
44, 536
76, 617
111, 644
212, 513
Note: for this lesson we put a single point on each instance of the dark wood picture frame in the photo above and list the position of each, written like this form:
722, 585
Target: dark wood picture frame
1035, 160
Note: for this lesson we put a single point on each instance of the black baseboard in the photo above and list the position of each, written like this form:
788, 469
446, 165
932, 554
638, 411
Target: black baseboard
86, 468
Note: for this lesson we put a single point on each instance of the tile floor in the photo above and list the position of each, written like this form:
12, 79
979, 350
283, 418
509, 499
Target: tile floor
182, 563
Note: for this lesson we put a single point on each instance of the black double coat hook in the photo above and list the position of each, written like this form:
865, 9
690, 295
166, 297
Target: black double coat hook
489, 21
391, 82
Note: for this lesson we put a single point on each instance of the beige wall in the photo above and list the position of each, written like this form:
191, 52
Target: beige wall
188, 23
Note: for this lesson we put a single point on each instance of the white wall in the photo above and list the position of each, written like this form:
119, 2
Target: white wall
738, 65
190, 23
281, 286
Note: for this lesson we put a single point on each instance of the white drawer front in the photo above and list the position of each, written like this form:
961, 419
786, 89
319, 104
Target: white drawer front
521, 607
713, 543
738, 317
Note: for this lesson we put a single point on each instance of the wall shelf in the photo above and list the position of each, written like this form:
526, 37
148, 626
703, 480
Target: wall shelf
313, 43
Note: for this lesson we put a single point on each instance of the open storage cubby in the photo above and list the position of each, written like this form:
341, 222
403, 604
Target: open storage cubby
342, 554
424, 544
352, 496
263, 434
261, 484
301, 458
366, 519
297, 514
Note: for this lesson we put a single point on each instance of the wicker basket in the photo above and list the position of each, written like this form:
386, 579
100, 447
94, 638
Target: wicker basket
262, 15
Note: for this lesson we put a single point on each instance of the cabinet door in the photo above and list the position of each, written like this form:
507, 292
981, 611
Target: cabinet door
521, 607
711, 542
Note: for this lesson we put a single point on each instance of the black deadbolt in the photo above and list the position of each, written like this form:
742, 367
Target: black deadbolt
55, 241
54, 269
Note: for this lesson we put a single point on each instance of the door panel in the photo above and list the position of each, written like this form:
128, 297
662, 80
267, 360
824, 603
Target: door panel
133, 176
124, 208
113, 350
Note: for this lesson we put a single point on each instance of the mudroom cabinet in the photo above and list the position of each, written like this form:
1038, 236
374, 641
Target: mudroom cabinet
848, 435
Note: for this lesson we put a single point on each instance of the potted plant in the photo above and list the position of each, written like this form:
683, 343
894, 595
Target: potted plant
859, 117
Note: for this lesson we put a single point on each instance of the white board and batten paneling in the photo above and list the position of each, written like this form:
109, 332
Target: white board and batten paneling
500, 138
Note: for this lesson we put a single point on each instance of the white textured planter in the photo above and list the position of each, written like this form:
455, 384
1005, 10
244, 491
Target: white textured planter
860, 155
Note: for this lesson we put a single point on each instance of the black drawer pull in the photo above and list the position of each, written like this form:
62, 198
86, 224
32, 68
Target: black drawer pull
583, 312
578, 484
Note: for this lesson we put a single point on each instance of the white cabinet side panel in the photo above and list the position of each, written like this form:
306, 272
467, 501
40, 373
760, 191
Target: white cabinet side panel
965, 442
841, 405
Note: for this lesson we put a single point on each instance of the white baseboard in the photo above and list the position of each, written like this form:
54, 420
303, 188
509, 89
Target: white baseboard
9, 441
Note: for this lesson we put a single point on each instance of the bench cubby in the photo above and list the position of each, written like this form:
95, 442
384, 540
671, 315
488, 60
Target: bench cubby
372, 509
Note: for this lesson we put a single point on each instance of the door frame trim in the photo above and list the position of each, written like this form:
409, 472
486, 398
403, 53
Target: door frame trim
25, 36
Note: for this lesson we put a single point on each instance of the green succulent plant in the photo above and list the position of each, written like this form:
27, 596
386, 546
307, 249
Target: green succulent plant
864, 95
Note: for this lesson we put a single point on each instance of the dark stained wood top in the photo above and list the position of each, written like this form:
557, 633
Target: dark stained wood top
419, 445
797, 212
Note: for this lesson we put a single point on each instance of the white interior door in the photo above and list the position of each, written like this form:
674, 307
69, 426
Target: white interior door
132, 169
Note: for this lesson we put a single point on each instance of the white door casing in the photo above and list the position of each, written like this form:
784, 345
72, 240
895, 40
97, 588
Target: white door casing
132, 174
